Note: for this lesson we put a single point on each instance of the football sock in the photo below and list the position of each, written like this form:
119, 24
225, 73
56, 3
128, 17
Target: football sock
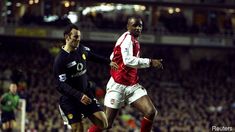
146, 125
94, 128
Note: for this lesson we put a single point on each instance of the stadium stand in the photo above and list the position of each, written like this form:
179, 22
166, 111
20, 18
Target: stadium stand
194, 92
188, 99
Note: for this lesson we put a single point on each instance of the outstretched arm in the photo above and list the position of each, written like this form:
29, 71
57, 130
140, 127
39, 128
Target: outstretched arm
100, 59
96, 57
133, 61
129, 59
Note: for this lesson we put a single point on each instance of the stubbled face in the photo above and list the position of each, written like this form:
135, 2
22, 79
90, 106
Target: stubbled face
73, 39
135, 27
13, 88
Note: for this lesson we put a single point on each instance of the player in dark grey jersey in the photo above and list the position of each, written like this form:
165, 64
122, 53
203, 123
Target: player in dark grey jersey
70, 71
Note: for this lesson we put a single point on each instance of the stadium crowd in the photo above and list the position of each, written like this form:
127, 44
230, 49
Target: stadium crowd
193, 99
165, 23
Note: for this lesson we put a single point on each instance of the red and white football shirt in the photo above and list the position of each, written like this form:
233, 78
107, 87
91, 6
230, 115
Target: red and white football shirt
126, 55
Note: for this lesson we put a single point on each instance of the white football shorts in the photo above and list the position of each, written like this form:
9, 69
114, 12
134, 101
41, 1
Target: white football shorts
117, 95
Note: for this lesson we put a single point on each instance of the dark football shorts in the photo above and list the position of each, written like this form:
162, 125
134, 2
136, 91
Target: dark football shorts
75, 111
7, 116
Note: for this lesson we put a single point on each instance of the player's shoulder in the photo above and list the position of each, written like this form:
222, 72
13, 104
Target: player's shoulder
125, 34
5, 95
124, 37
85, 48
59, 57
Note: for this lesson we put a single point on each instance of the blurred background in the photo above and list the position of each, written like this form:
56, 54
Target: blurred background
195, 38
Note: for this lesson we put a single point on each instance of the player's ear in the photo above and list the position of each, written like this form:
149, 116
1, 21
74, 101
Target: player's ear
66, 37
127, 27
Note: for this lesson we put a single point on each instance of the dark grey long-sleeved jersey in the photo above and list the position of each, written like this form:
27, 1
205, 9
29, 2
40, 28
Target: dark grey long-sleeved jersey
70, 71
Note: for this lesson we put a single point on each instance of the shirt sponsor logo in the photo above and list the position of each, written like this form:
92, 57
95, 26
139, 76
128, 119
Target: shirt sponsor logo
112, 101
79, 66
79, 73
71, 64
9, 102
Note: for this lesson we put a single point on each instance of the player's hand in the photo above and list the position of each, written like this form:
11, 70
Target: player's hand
157, 63
86, 100
113, 65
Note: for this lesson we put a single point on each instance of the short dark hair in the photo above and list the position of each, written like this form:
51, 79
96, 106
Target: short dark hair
136, 17
69, 28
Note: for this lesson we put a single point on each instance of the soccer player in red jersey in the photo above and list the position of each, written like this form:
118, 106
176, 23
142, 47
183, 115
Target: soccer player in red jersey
123, 86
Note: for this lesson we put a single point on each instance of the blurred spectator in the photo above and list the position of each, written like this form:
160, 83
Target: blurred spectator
187, 100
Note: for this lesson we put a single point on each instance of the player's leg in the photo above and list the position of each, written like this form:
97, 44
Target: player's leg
75, 121
99, 121
141, 101
96, 115
7, 117
5, 125
71, 114
111, 114
77, 127
12, 124
99, 118
113, 100
12, 121
145, 105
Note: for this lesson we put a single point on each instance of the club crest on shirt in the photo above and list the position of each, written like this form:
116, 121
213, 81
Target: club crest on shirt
84, 56
70, 116
112, 101
9, 102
